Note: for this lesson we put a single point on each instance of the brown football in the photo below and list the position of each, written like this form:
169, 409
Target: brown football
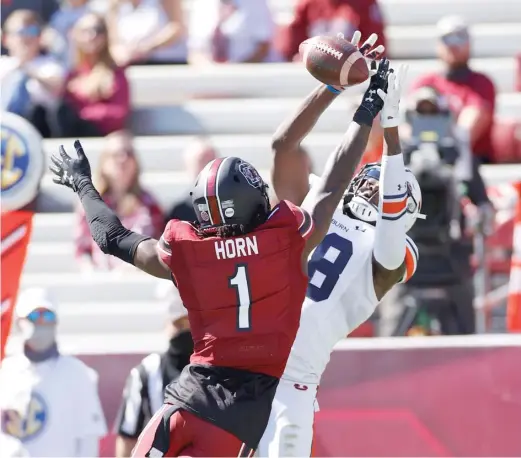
334, 61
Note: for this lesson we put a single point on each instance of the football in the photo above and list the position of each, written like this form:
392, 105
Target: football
334, 61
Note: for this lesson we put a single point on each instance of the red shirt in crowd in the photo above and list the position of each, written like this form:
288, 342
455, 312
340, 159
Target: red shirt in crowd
109, 114
329, 17
474, 90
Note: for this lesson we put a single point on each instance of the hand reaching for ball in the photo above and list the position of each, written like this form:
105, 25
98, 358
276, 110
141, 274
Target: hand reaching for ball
367, 50
337, 62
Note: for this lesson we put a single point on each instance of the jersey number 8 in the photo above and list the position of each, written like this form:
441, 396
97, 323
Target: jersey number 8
326, 265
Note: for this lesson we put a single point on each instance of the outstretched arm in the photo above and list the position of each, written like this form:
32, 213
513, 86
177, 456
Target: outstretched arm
106, 228
289, 174
390, 244
324, 197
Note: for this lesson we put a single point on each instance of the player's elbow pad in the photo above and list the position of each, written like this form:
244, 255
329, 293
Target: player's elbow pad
115, 239
106, 228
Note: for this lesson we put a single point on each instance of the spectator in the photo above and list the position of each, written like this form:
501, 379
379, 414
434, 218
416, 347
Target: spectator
147, 32
56, 36
196, 156
230, 31
329, 17
49, 401
144, 390
97, 97
31, 83
118, 182
43, 8
471, 96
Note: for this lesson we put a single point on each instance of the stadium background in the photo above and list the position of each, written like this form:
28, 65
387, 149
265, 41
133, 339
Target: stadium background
455, 397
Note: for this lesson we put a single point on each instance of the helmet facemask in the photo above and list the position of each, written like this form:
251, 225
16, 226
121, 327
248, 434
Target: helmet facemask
365, 207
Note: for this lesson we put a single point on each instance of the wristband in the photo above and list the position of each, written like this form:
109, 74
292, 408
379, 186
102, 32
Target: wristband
363, 116
334, 90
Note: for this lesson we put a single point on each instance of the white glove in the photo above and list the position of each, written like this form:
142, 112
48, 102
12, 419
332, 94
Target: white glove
390, 115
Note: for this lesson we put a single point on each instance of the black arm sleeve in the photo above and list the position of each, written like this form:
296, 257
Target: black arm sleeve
105, 227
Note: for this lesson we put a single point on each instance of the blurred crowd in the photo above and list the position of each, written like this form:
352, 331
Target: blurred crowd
63, 63
64, 67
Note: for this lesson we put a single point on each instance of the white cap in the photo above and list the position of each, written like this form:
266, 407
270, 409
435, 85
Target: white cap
451, 24
34, 298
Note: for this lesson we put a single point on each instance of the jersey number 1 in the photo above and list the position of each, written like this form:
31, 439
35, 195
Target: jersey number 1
241, 283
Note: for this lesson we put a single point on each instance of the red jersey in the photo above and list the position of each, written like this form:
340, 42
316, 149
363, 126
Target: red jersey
243, 294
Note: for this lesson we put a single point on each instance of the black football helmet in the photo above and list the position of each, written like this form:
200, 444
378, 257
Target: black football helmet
230, 191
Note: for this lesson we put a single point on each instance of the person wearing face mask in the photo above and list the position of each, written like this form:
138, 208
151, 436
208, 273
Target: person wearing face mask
49, 401
144, 390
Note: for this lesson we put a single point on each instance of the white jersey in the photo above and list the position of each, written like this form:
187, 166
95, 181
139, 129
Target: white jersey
50, 405
11, 447
340, 295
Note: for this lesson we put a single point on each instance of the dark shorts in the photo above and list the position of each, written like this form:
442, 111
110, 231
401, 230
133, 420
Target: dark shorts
233, 400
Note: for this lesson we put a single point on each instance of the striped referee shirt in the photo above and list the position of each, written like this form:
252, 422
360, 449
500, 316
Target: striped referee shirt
142, 397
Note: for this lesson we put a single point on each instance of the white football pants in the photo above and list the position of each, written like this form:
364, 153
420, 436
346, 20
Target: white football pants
290, 427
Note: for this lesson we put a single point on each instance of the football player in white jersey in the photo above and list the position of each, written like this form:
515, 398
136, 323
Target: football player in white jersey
365, 253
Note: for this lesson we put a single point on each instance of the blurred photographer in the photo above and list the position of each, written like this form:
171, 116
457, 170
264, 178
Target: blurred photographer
438, 152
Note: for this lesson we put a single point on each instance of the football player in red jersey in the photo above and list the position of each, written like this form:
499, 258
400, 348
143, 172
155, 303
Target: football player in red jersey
241, 273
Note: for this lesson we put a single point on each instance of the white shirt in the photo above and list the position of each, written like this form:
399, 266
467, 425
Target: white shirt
11, 447
248, 26
141, 23
50, 406
45, 66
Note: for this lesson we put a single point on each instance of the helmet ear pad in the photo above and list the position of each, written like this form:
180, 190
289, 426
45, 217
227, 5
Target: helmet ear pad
230, 191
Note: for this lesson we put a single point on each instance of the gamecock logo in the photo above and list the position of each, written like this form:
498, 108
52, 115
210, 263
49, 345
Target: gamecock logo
252, 176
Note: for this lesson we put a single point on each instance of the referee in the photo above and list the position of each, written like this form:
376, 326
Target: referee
144, 389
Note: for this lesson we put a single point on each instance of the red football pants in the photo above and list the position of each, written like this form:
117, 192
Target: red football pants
188, 436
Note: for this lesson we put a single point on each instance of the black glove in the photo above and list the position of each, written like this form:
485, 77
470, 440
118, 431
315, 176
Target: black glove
71, 172
371, 102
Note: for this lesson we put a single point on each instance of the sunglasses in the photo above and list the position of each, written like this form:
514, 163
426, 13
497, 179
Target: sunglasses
455, 39
32, 31
97, 29
42, 316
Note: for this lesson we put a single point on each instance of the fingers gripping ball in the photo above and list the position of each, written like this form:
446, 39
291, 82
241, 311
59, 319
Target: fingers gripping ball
334, 61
